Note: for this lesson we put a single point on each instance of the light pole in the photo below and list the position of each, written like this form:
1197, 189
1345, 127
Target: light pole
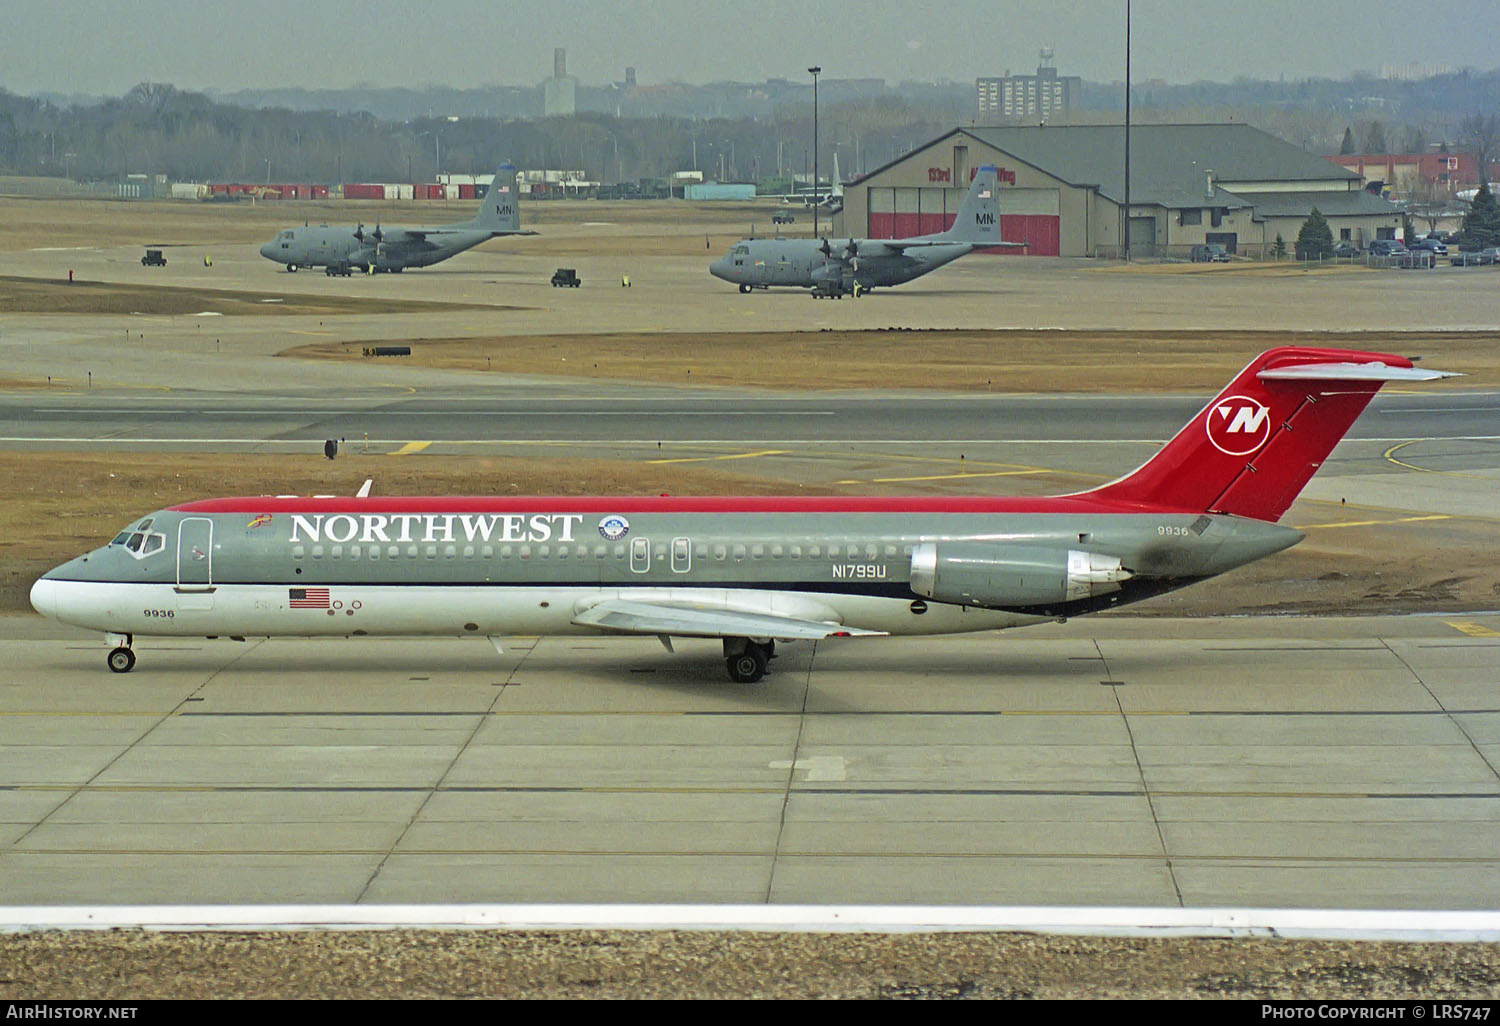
814, 71
1126, 238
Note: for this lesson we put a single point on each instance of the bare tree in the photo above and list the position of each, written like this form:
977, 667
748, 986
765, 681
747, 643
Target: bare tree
1481, 132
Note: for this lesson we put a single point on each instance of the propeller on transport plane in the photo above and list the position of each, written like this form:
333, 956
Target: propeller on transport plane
826, 249
359, 232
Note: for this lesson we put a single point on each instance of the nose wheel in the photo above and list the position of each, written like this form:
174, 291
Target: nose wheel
121, 658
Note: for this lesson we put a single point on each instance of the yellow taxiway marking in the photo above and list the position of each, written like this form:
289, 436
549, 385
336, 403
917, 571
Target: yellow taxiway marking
730, 456
1390, 456
1376, 523
1473, 630
945, 477
411, 447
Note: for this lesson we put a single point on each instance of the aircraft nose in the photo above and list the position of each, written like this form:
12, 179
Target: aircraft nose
44, 597
265, 251
720, 268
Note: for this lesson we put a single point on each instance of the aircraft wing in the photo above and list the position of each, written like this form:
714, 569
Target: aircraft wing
900, 244
702, 620
422, 233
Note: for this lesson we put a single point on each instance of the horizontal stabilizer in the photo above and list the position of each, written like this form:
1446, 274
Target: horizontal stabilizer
1352, 372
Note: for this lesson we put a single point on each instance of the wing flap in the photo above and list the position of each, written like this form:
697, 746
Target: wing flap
700, 620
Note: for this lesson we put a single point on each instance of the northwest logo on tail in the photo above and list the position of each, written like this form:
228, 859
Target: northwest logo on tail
1238, 425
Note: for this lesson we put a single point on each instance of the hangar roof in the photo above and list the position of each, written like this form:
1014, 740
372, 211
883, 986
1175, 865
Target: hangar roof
1329, 204
1169, 163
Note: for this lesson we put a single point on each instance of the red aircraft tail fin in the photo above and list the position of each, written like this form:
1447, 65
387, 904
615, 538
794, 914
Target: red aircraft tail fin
1251, 450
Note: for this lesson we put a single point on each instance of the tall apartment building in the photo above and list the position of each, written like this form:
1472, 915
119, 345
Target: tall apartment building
1027, 99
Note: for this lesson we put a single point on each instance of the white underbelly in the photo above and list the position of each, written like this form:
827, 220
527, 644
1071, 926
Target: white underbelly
341, 610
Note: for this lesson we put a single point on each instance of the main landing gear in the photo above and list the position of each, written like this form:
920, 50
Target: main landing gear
121, 658
746, 659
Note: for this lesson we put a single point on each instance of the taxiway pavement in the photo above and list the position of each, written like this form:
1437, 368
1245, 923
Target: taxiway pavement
1108, 761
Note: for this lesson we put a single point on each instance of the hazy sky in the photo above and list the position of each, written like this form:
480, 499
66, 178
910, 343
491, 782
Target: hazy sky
92, 46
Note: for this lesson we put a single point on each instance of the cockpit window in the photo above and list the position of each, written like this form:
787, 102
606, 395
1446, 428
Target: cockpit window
145, 524
741, 250
139, 543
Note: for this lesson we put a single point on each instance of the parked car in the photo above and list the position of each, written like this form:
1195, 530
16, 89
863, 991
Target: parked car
1386, 248
1345, 248
566, 277
1474, 258
1212, 253
782, 218
1431, 245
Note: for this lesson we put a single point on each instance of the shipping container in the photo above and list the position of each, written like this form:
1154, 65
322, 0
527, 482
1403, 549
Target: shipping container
720, 191
466, 191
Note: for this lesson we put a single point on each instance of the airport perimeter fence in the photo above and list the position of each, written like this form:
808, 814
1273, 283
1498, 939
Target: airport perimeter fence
1421, 260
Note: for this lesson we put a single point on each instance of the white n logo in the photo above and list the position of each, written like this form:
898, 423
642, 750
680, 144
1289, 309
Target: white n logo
1247, 419
1238, 425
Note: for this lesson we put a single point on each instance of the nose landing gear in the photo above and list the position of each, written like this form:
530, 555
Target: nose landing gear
121, 658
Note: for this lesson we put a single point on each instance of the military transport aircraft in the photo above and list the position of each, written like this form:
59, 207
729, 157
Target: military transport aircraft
835, 269
751, 571
341, 249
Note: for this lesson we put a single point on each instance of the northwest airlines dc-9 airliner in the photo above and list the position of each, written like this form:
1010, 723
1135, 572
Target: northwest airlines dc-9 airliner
750, 571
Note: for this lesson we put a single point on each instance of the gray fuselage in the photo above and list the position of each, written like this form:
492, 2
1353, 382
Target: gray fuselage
802, 263
495, 564
398, 248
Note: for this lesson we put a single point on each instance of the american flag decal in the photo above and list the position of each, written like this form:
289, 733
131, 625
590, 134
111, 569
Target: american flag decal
307, 598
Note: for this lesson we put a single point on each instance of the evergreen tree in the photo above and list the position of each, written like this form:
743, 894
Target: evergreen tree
1375, 139
1481, 228
1348, 145
1315, 239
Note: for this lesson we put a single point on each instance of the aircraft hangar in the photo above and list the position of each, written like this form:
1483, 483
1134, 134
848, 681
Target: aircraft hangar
1062, 190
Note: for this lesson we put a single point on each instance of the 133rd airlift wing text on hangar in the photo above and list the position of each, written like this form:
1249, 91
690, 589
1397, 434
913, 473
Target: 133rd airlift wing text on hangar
345, 248
858, 265
752, 571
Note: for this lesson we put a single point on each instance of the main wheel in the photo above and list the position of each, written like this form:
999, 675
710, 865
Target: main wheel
121, 660
747, 666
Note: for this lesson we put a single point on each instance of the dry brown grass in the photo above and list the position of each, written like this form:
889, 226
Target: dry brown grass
998, 361
58, 296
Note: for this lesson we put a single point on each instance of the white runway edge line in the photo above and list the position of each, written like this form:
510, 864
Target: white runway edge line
1302, 924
